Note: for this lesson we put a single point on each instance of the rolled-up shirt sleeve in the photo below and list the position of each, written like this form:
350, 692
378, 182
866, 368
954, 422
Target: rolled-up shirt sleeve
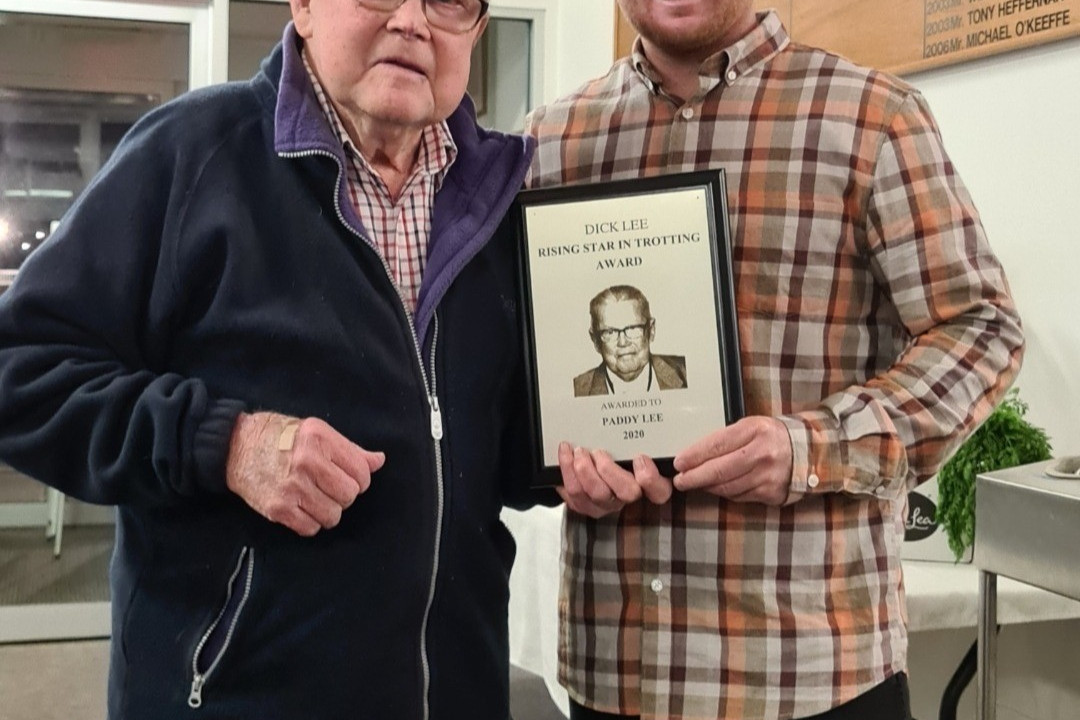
928, 253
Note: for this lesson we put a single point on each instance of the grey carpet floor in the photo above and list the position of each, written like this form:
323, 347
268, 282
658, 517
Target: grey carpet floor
30, 575
67, 680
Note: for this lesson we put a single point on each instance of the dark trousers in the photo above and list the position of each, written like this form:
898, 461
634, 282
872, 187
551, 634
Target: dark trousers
888, 701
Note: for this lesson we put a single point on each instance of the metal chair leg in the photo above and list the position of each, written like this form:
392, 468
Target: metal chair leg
54, 526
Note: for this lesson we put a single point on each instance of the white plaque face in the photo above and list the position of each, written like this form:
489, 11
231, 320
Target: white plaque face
631, 325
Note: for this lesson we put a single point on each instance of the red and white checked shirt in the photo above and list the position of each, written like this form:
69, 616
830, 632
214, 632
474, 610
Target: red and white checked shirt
874, 321
400, 230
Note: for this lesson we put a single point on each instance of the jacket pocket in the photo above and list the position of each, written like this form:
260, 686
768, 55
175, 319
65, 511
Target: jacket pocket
214, 642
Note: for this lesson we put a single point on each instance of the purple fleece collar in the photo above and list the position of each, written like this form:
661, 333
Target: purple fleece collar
299, 124
482, 183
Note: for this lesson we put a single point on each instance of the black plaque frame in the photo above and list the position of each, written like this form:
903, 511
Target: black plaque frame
670, 233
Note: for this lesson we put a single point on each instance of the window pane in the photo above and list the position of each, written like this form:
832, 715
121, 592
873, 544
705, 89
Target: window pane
254, 28
69, 89
499, 81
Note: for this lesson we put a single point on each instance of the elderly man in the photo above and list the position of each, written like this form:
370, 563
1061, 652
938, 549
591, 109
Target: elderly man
876, 331
622, 331
256, 334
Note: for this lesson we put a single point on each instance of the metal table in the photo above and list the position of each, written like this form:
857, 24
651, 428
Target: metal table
1027, 527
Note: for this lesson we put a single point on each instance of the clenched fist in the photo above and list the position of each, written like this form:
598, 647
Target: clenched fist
300, 473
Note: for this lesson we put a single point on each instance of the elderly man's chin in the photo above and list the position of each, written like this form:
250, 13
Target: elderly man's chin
629, 368
404, 102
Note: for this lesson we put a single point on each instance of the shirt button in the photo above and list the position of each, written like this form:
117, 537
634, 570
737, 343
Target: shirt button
732, 75
657, 585
687, 113
880, 489
813, 481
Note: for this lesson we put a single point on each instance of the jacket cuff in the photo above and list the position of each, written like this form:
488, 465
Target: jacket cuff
211, 444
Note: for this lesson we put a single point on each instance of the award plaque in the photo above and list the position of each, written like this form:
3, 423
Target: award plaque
629, 313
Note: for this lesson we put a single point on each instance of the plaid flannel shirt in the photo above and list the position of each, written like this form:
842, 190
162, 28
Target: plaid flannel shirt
874, 321
401, 228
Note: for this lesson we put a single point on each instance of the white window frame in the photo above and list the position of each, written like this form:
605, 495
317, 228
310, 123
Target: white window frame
542, 15
208, 32
207, 21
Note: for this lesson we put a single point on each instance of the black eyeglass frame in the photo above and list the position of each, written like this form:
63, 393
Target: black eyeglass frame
639, 329
485, 5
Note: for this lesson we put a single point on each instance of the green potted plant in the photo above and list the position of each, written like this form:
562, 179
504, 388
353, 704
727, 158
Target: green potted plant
1005, 440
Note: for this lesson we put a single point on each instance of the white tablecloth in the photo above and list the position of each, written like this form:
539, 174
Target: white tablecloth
940, 596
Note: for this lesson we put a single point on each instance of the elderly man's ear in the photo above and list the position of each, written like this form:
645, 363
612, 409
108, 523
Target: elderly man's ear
301, 15
480, 28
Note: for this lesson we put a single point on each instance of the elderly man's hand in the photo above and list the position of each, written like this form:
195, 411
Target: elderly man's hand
594, 485
300, 473
749, 461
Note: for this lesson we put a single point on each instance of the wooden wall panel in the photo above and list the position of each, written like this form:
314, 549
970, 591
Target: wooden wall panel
624, 34
905, 36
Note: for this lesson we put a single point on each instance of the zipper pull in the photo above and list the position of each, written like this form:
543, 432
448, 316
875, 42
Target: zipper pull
195, 697
436, 418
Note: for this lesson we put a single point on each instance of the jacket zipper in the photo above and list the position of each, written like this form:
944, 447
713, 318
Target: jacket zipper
436, 424
199, 679
436, 435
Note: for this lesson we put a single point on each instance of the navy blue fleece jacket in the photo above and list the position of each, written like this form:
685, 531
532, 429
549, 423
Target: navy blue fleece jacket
215, 266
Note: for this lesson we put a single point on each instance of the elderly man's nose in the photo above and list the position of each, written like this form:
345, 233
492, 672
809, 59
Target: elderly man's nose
411, 14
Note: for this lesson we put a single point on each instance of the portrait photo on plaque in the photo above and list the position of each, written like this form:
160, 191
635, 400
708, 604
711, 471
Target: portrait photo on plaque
630, 331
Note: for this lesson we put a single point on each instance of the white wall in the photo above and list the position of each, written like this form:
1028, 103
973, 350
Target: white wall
1012, 126
587, 28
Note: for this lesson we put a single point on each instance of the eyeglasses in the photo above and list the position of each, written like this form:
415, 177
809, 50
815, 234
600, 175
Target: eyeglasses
633, 333
456, 16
